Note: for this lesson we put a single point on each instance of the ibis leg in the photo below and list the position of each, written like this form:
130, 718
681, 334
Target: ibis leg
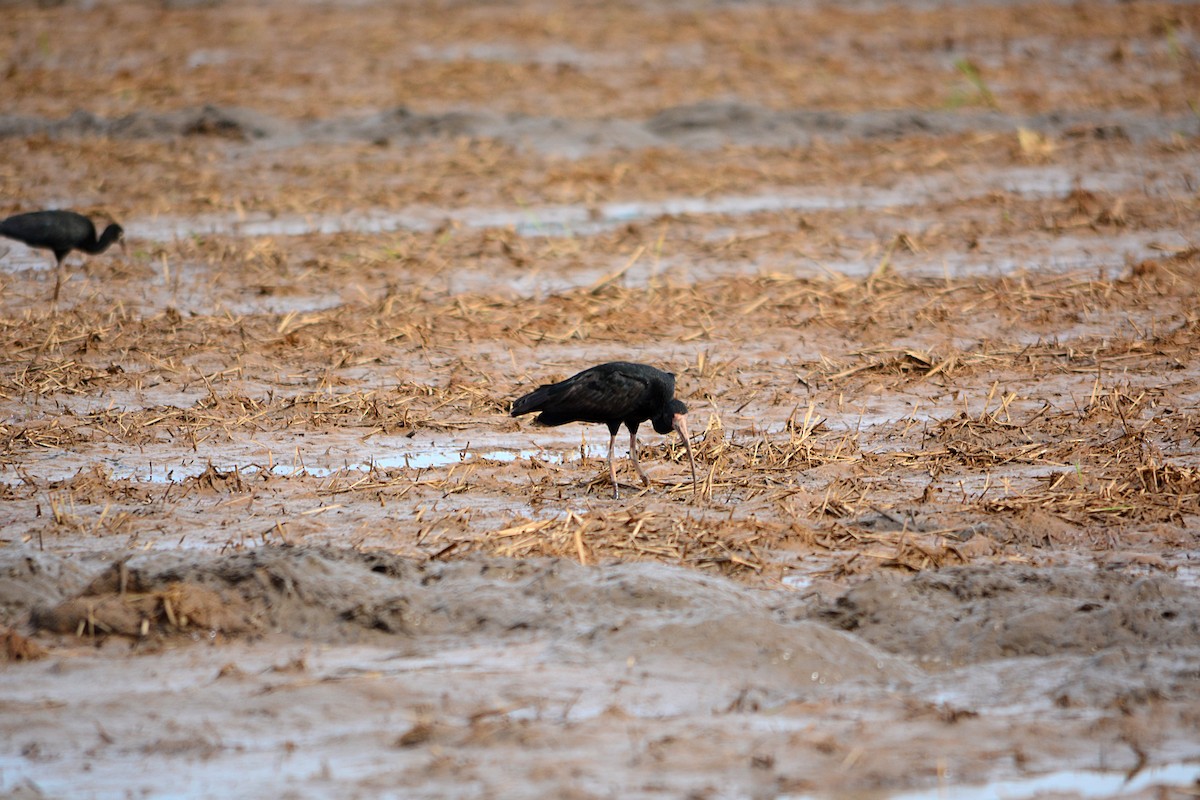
612, 470
633, 458
58, 272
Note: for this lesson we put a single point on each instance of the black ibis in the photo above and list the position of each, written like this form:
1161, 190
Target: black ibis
614, 393
60, 232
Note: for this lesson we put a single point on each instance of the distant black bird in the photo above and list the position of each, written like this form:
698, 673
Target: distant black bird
613, 393
60, 232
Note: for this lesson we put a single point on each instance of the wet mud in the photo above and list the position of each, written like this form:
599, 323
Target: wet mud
702, 126
926, 275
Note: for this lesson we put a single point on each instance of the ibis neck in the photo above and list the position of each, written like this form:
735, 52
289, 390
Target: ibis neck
110, 235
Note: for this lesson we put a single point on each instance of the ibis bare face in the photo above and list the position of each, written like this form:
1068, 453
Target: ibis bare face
679, 423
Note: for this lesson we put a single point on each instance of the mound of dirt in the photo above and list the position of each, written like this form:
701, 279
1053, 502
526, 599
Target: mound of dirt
650, 614
963, 615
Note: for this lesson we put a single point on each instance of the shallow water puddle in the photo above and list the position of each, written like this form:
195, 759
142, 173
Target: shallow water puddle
165, 471
426, 459
580, 219
561, 220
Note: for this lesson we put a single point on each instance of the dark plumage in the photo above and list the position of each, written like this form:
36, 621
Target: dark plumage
60, 232
615, 393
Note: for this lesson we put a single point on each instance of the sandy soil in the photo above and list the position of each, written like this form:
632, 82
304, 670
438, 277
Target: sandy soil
927, 276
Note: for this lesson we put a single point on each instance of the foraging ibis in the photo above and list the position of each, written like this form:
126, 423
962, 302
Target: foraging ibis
60, 232
615, 393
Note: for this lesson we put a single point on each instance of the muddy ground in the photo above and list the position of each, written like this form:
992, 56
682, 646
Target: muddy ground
927, 276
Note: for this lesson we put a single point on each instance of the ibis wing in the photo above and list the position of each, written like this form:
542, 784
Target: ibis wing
598, 396
50, 229
615, 392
